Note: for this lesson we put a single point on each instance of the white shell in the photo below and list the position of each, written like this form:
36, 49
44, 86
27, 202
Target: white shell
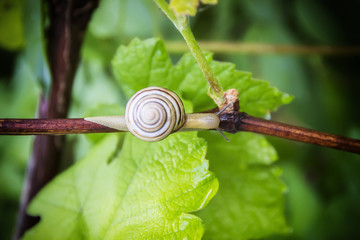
153, 113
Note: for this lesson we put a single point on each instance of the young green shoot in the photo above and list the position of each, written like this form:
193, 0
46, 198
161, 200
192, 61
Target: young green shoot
181, 22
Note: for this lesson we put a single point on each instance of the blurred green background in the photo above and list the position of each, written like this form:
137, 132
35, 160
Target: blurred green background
323, 184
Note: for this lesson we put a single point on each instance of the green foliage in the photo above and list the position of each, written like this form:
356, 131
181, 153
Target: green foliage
11, 24
256, 96
146, 63
188, 7
243, 166
142, 63
16, 100
250, 201
148, 188
250, 194
317, 22
143, 191
301, 195
19, 94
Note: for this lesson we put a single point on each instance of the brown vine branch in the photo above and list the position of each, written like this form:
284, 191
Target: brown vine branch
240, 121
259, 48
50, 127
230, 122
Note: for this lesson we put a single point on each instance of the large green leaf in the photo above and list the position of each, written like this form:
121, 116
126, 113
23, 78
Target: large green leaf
144, 191
257, 97
141, 64
249, 204
250, 201
146, 63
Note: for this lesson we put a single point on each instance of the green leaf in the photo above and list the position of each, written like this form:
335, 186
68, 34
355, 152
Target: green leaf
142, 63
146, 63
257, 97
145, 191
250, 200
187, 7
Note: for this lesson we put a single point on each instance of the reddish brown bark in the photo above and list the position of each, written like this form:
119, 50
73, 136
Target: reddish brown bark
240, 121
230, 122
51, 127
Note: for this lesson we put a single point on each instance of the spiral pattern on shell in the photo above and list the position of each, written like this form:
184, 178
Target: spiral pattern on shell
153, 113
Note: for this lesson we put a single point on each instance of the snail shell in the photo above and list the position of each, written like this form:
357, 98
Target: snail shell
153, 113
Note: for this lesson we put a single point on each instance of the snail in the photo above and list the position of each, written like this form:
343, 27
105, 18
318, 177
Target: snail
153, 113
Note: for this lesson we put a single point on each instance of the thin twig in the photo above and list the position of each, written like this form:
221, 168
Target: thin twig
260, 48
181, 22
230, 122
51, 127
236, 122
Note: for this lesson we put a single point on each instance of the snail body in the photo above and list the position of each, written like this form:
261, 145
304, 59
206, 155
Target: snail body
201, 121
153, 113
